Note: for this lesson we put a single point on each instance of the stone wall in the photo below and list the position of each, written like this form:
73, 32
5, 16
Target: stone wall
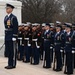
17, 12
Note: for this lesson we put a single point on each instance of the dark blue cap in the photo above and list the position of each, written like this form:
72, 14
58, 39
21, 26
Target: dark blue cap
58, 26
9, 5
47, 24
68, 26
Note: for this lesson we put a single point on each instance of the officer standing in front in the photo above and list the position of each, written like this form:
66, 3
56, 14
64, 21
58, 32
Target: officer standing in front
11, 30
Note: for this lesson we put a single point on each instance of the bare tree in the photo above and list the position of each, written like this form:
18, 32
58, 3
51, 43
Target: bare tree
40, 10
69, 9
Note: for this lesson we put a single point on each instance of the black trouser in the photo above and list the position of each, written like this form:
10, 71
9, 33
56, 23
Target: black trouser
74, 60
58, 59
11, 54
69, 62
47, 53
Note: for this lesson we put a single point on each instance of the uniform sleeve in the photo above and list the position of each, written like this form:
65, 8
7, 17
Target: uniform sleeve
15, 27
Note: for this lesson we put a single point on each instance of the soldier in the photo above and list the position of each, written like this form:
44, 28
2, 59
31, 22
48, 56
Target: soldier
27, 45
11, 30
52, 29
42, 41
39, 33
35, 47
47, 44
57, 46
68, 51
73, 42
20, 42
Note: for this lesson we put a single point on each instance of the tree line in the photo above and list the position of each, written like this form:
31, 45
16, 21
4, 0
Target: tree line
42, 11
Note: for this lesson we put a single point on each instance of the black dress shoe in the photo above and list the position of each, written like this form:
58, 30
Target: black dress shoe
26, 61
14, 66
68, 73
57, 70
19, 59
46, 67
8, 67
35, 63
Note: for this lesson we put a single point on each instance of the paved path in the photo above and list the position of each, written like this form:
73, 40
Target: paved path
24, 68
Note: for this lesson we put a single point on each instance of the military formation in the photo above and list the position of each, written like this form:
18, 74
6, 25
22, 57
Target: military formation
53, 44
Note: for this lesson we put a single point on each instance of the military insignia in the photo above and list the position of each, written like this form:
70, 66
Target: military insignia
69, 39
58, 38
8, 23
48, 35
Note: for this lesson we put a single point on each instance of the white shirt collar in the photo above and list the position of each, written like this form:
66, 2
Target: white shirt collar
47, 30
58, 32
68, 33
9, 14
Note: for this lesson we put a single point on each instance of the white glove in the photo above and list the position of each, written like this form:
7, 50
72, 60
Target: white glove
73, 52
38, 46
13, 39
61, 51
29, 45
51, 47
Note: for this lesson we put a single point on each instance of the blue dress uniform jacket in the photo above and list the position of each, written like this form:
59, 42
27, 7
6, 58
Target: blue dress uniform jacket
11, 30
57, 44
68, 42
73, 45
47, 44
68, 51
11, 27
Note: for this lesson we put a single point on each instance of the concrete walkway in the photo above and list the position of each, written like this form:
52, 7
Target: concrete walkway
24, 68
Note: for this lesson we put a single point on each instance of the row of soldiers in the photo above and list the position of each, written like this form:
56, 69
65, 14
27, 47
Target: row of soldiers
54, 44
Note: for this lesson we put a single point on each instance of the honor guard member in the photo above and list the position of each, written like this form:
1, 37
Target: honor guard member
27, 45
68, 51
73, 42
20, 42
52, 40
57, 46
47, 44
42, 41
11, 30
35, 47
39, 32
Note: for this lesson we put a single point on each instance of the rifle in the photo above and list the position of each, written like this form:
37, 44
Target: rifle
15, 50
54, 59
65, 64
44, 59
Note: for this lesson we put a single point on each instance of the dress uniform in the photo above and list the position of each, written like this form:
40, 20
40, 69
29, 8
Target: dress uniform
73, 43
27, 45
52, 41
20, 42
68, 51
57, 46
47, 44
35, 47
11, 30
42, 41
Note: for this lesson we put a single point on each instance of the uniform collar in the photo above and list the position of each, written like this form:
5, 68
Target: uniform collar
47, 30
68, 33
9, 14
58, 32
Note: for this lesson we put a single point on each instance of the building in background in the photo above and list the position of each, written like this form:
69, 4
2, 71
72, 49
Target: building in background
17, 12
